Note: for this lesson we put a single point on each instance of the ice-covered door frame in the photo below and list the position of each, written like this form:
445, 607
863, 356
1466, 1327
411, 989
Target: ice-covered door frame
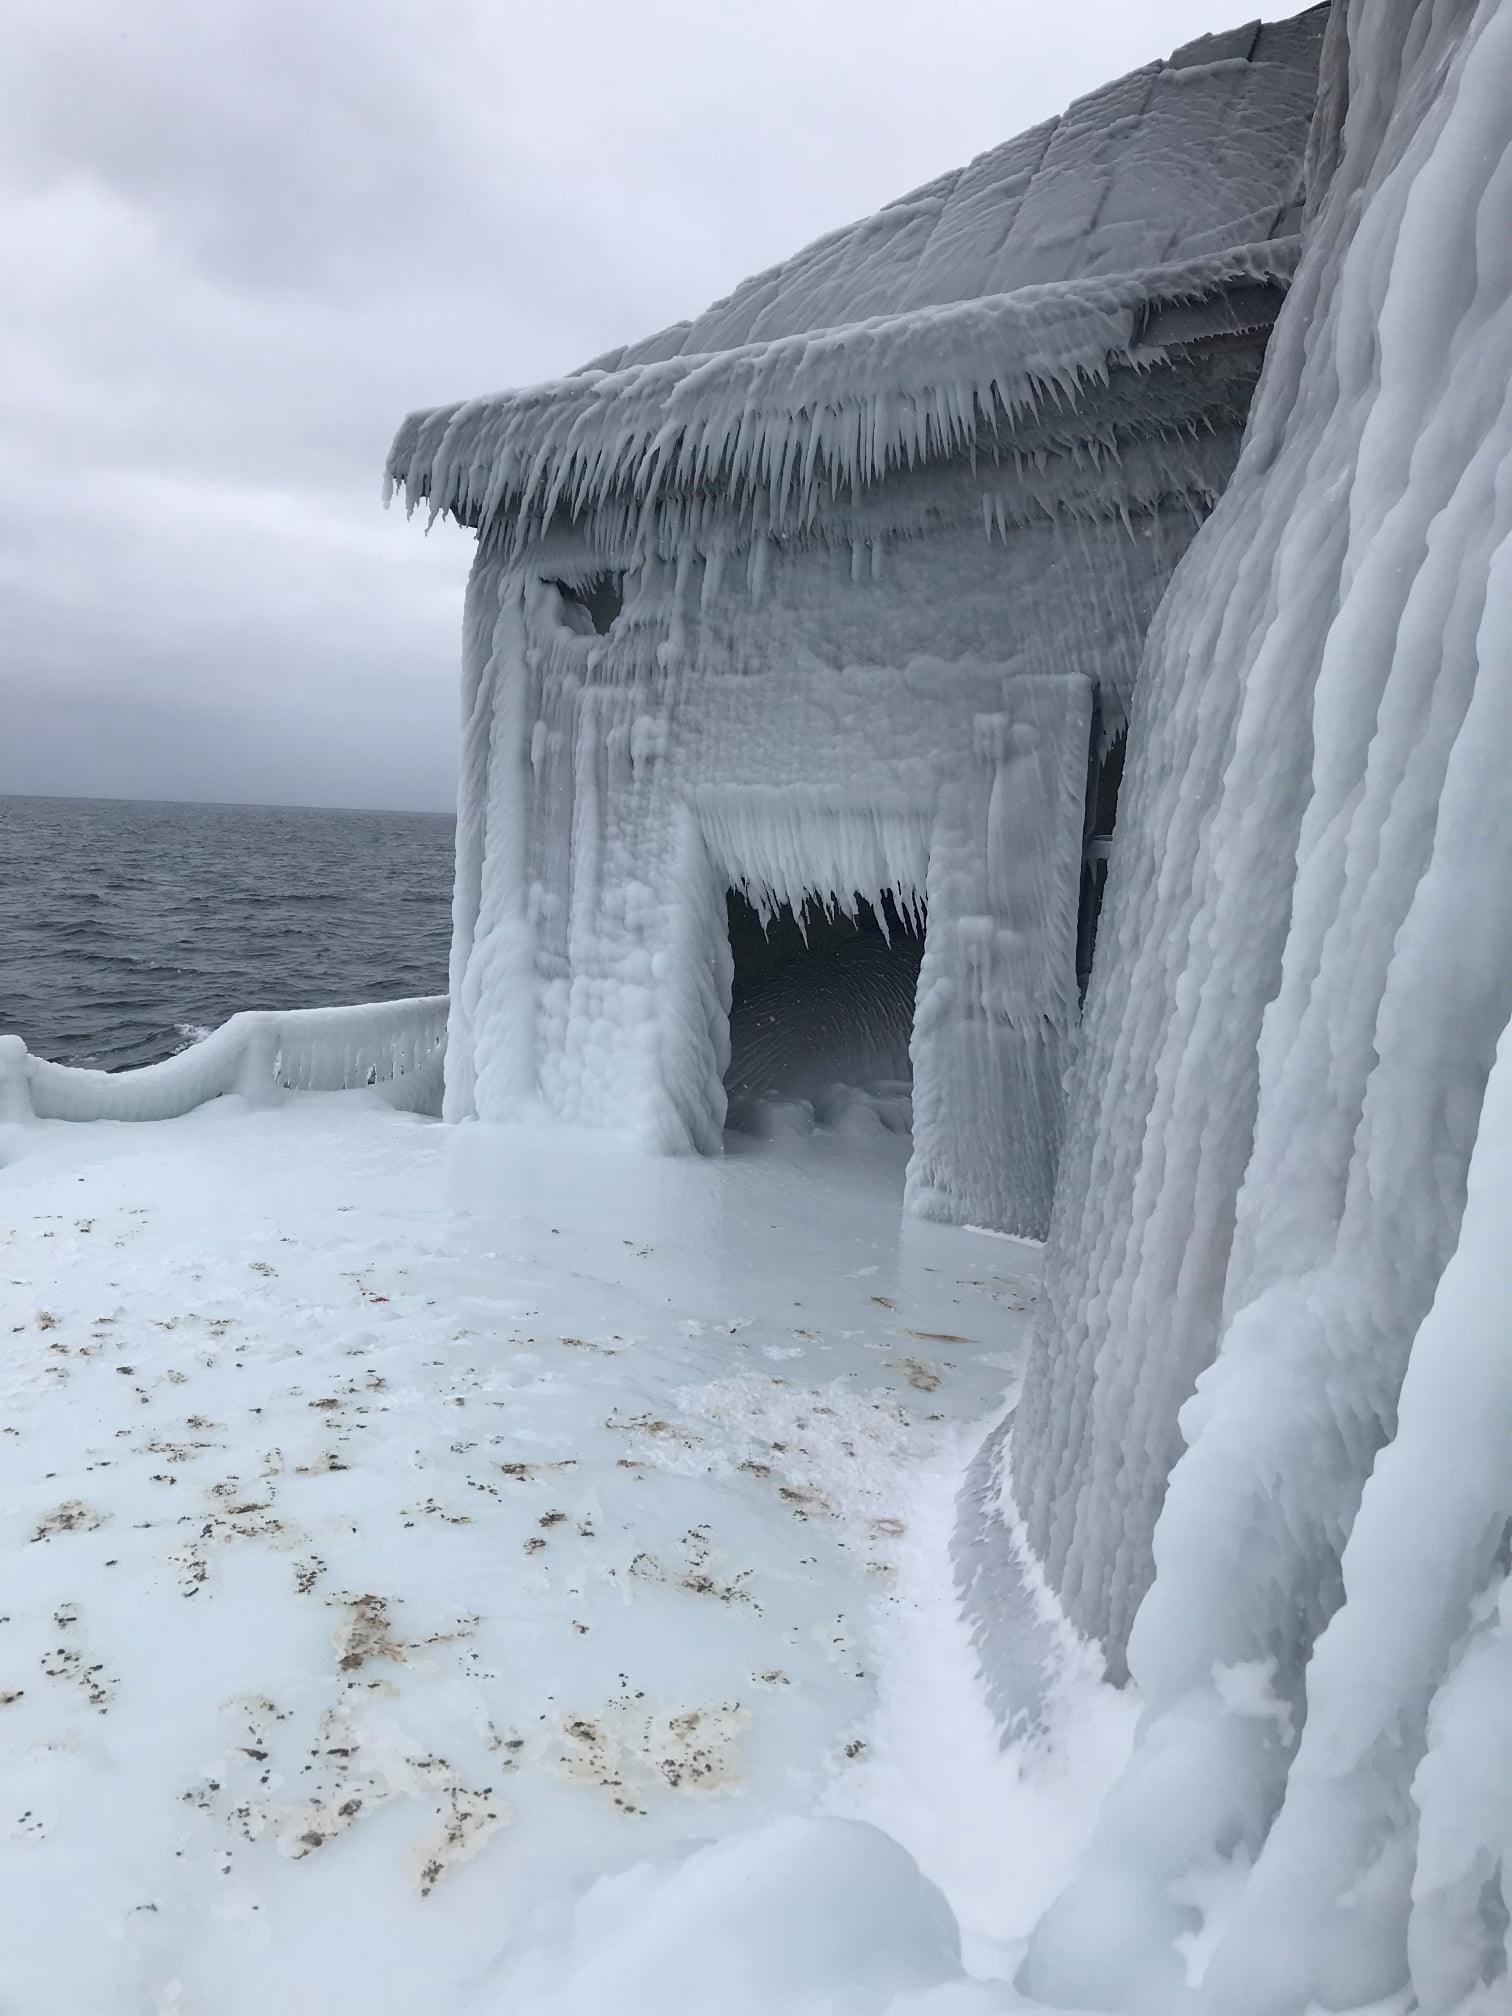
998, 1003
995, 845
791, 845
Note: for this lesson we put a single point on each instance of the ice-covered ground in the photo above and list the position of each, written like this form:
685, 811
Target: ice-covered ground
459, 1570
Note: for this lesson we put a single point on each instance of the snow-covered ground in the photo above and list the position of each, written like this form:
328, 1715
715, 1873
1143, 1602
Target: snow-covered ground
420, 1544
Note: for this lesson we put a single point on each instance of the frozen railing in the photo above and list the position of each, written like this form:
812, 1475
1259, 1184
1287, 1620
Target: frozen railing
394, 1043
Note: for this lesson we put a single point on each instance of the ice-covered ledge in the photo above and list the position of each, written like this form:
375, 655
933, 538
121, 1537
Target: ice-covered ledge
256, 1054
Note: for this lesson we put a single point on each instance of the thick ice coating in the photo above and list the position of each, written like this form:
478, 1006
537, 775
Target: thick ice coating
1265, 1284
837, 594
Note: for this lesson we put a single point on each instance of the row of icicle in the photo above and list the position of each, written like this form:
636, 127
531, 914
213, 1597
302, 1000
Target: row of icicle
798, 422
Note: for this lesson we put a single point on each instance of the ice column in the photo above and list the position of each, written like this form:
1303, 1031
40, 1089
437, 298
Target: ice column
1304, 971
997, 990
490, 1057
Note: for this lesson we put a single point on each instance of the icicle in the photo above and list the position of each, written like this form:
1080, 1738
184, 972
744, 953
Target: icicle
756, 566
714, 561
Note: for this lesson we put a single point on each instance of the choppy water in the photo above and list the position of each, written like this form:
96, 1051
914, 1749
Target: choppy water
128, 928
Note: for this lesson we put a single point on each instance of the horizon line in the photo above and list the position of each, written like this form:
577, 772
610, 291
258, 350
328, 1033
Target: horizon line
232, 804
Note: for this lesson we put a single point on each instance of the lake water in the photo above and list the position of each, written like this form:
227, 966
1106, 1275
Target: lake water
127, 929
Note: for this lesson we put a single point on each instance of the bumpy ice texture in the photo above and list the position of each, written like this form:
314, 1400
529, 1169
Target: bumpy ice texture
1285, 1099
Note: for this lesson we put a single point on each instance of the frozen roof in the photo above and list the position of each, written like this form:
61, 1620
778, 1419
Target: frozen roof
952, 315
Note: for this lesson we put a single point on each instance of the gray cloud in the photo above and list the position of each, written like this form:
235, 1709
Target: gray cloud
241, 238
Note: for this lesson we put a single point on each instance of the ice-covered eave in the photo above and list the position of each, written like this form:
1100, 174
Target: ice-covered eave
782, 428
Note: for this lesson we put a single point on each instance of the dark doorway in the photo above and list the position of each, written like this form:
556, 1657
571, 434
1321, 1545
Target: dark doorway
819, 1002
1104, 778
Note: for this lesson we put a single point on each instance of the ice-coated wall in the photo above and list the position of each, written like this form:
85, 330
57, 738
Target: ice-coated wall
903, 713
1272, 1317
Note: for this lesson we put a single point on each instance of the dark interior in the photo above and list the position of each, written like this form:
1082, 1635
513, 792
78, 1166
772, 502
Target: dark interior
828, 1001
594, 601
1105, 776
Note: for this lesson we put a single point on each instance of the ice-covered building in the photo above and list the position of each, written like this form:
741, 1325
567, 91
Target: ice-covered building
829, 600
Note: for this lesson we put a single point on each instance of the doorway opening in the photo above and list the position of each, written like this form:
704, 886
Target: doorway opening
1104, 776
821, 1014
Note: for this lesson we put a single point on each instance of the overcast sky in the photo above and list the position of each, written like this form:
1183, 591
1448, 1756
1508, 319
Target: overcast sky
241, 238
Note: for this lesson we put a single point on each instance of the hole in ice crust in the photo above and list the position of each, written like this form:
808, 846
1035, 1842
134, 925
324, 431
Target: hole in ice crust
591, 605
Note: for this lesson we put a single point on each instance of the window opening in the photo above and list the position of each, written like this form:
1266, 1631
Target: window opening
593, 603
